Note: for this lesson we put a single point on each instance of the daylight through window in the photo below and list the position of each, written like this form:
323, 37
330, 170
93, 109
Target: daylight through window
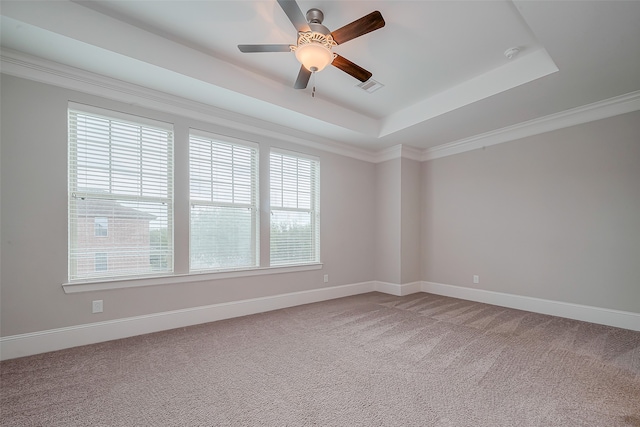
120, 195
295, 208
223, 182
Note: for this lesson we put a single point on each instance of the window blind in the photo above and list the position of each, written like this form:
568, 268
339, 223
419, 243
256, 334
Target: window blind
223, 182
120, 196
295, 208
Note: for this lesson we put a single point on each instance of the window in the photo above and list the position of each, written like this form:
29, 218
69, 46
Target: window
120, 184
100, 262
121, 201
295, 208
101, 226
223, 188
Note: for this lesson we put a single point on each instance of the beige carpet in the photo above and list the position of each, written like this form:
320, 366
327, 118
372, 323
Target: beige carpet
368, 360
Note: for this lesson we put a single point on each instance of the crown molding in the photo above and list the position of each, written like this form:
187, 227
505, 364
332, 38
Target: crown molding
412, 153
29, 67
390, 153
44, 71
587, 113
397, 152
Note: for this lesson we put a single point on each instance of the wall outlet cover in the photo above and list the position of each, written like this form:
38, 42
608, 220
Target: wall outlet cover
96, 306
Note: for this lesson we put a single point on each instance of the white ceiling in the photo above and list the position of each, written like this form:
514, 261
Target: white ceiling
441, 62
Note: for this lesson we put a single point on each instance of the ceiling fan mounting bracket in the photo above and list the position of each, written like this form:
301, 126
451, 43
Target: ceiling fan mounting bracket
315, 16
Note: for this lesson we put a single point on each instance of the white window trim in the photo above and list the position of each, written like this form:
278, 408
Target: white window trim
125, 117
178, 279
294, 154
220, 137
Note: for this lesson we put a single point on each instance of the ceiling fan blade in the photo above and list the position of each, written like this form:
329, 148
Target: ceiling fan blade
303, 78
292, 10
252, 48
350, 68
359, 27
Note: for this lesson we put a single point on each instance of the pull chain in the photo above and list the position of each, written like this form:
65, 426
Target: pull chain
313, 90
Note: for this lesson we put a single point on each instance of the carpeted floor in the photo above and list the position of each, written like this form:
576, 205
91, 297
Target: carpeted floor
367, 360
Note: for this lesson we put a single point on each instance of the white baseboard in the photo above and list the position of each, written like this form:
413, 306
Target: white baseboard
602, 316
91, 333
396, 289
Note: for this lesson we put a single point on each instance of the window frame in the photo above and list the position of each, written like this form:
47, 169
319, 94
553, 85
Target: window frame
253, 205
78, 193
103, 260
180, 257
100, 228
314, 204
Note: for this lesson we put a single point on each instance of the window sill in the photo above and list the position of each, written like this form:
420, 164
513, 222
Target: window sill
71, 288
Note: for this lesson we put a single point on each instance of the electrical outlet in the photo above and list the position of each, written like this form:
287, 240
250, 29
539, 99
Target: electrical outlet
326, 278
476, 279
96, 306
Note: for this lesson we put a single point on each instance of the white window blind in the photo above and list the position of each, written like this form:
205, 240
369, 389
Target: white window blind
223, 178
295, 208
120, 196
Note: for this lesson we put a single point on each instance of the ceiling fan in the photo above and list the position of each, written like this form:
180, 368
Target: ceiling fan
315, 41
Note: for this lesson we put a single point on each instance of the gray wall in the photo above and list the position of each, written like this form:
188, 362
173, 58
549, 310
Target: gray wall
398, 220
34, 220
553, 216
388, 185
411, 221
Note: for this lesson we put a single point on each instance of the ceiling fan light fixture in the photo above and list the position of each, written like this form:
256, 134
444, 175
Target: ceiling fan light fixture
314, 50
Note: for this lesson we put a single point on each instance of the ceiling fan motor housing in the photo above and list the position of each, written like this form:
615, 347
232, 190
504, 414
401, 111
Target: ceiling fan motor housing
319, 28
